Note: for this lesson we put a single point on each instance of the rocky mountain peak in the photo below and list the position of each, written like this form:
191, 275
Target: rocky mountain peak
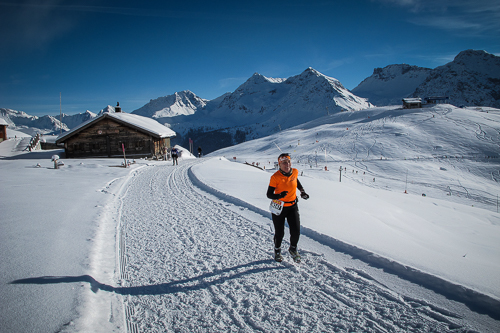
178, 104
478, 61
472, 78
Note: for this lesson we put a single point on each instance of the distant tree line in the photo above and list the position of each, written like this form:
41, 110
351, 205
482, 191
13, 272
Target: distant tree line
210, 140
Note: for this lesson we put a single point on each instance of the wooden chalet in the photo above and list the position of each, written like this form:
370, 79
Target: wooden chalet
3, 129
412, 103
105, 135
436, 99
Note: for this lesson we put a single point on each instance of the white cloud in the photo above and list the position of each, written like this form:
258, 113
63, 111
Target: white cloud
231, 82
460, 16
335, 63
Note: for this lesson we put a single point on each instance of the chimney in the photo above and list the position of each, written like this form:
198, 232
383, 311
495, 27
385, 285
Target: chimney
117, 107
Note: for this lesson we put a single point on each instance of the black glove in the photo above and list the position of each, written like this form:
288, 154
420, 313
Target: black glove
304, 195
283, 194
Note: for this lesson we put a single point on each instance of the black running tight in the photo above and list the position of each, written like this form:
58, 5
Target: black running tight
291, 214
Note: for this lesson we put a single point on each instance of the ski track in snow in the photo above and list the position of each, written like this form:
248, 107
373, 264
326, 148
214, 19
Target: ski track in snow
190, 263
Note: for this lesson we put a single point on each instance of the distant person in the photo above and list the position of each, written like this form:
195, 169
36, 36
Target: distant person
175, 155
283, 190
199, 151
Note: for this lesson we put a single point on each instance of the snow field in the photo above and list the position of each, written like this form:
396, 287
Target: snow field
195, 265
189, 248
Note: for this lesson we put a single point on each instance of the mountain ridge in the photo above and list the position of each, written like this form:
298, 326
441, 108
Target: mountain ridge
388, 85
471, 79
261, 106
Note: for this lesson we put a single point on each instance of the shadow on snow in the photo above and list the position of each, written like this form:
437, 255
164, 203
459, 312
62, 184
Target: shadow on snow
186, 285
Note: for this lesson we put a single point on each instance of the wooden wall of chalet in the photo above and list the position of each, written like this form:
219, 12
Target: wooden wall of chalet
412, 105
105, 138
3, 132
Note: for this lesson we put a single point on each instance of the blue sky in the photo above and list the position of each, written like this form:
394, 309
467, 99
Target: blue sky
98, 52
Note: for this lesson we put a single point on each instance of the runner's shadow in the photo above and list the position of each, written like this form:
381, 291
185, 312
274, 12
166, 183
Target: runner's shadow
191, 284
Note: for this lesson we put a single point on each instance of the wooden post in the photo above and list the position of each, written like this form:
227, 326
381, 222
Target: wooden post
124, 158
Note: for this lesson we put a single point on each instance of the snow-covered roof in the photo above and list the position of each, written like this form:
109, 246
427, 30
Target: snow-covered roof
412, 100
3, 122
144, 124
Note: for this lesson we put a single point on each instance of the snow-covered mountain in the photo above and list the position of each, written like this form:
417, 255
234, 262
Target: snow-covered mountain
290, 101
180, 103
72, 121
23, 122
388, 85
471, 79
260, 106
108, 108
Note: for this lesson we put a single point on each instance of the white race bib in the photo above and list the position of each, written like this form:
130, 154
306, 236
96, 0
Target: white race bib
276, 206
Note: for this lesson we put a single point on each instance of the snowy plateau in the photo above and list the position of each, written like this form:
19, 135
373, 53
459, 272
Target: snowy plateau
400, 233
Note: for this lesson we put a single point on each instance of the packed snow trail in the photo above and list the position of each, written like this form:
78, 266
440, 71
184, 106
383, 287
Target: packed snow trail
190, 263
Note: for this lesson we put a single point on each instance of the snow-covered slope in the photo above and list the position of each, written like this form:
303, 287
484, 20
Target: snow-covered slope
462, 146
388, 85
440, 156
157, 247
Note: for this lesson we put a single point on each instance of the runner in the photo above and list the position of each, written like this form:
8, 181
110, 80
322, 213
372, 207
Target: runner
175, 155
282, 189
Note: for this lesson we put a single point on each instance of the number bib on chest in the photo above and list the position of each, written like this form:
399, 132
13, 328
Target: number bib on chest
276, 206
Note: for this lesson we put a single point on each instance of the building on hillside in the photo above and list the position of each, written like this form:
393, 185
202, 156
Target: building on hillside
108, 134
48, 142
3, 129
412, 103
436, 99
